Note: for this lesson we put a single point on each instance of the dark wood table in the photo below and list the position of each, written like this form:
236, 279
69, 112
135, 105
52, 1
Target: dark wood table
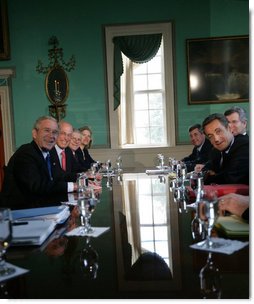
143, 219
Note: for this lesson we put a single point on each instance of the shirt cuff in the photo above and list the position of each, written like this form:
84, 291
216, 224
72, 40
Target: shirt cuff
70, 187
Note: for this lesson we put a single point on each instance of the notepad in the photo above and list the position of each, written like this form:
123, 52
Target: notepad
232, 225
33, 232
57, 213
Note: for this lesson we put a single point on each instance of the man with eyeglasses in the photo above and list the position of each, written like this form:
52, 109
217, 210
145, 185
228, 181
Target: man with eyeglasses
29, 180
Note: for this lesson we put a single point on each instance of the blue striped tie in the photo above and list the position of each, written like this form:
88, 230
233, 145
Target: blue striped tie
49, 165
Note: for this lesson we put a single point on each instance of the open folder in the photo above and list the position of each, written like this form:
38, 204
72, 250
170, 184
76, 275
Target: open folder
32, 232
232, 225
59, 214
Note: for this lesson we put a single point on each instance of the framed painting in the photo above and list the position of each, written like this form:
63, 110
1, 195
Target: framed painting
218, 69
4, 32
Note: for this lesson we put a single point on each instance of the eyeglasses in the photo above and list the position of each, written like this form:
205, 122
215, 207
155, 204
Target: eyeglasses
76, 139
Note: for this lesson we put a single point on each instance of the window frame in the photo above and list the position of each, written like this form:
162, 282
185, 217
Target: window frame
112, 31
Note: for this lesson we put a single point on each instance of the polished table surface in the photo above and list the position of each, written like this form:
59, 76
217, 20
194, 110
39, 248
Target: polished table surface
142, 217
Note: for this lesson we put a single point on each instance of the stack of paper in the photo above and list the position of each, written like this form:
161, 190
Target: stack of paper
59, 214
32, 232
233, 225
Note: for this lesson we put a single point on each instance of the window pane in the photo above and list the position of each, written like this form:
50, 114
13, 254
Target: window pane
162, 248
160, 215
140, 101
146, 233
155, 101
156, 118
157, 135
141, 118
140, 82
145, 210
139, 68
161, 233
148, 246
154, 81
142, 136
154, 66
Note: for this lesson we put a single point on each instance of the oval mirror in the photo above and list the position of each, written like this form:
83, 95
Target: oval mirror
57, 85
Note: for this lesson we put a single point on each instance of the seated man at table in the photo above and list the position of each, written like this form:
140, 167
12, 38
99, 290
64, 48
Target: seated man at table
74, 145
236, 204
229, 162
201, 150
237, 120
64, 165
28, 180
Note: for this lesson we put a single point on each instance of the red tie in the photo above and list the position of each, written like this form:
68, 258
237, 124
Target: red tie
63, 160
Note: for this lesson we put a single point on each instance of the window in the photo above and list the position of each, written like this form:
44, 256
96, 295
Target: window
146, 115
145, 88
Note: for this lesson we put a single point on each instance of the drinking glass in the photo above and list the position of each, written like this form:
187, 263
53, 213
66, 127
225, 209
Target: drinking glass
161, 161
5, 240
119, 164
86, 208
198, 231
108, 166
196, 181
89, 260
208, 212
210, 280
82, 182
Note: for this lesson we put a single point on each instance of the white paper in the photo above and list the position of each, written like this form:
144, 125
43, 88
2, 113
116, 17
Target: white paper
34, 232
79, 231
226, 246
18, 271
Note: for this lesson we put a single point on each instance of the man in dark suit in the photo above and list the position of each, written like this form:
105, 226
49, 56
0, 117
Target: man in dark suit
229, 162
64, 165
201, 150
237, 120
28, 180
76, 150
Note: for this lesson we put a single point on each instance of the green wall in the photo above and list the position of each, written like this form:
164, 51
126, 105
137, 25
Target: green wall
78, 25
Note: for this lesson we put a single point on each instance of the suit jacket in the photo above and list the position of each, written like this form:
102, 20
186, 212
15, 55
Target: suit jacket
198, 157
88, 160
81, 162
235, 166
27, 182
72, 168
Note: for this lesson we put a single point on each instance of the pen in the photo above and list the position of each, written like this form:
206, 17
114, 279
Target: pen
19, 223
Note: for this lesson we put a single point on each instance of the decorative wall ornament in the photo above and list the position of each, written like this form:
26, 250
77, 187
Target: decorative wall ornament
56, 81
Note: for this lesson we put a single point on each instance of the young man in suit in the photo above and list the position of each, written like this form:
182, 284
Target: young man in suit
229, 162
201, 150
28, 180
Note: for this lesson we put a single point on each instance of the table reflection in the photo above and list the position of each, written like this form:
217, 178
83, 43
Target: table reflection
147, 237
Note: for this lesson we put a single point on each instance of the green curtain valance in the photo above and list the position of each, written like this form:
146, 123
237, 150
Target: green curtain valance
139, 49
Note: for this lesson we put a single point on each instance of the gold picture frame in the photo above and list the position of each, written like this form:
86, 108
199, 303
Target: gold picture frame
4, 32
218, 69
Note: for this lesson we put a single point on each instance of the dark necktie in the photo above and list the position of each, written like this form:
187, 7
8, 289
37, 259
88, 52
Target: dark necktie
49, 165
221, 159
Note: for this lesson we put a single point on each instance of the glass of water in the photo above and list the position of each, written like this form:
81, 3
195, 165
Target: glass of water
5, 240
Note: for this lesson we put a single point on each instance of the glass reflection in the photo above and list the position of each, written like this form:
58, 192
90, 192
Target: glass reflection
147, 228
210, 280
